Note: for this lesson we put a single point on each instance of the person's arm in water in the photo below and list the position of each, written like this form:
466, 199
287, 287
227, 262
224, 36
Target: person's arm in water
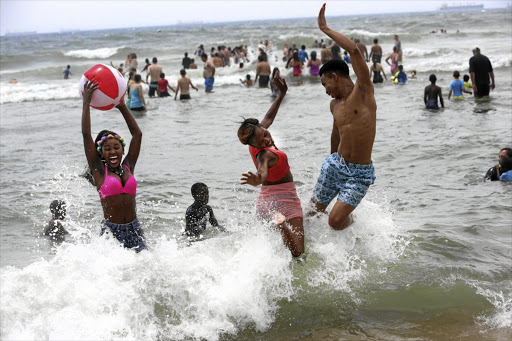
492, 80
440, 94
141, 95
258, 70
170, 87
356, 57
388, 58
93, 159
272, 112
425, 95
192, 85
383, 73
449, 94
213, 220
466, 91
134, 149
177, 90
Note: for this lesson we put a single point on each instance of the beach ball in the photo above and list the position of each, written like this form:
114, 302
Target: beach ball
111, 86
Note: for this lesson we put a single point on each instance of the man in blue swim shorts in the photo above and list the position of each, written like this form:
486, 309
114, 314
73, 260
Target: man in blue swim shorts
208, 73
348, 171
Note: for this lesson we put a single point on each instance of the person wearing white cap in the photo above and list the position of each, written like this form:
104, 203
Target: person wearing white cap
480, 69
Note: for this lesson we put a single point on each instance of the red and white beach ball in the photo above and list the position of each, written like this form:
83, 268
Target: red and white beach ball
111, 86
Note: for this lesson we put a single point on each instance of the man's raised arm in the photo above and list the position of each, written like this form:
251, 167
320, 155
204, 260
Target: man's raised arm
356, 57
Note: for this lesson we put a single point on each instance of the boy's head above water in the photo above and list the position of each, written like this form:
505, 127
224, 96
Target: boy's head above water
200, 193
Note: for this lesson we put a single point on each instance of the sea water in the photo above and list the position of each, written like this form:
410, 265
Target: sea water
427, 258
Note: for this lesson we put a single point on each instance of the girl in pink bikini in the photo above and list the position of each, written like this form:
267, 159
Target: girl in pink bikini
297, 65
113, 176
278, 198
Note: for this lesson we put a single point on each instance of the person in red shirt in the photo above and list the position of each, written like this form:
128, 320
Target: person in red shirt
278, 201
163, 84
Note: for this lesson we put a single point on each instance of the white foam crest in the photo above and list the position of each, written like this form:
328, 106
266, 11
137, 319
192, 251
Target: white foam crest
289, 36
101, 53
21, 92
502, 302
99, 290
364, 33
415, 52
373, 237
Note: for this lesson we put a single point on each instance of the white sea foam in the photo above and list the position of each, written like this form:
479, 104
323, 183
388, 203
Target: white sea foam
101, 53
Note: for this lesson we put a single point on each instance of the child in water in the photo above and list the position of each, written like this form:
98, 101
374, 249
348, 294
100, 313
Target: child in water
67, 72
54, 229
163, 85
467, 83
457, 87
248, 81
198, 212
400, 76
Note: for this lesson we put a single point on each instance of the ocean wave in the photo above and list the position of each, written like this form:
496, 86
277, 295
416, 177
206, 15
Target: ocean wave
15, 93
104, 52
364, 33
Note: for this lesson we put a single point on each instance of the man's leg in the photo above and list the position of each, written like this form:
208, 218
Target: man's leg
340, 216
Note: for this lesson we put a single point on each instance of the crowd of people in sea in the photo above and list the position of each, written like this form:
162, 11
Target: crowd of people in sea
346, 174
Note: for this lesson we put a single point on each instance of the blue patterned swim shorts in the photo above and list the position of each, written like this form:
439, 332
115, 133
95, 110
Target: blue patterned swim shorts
350, 180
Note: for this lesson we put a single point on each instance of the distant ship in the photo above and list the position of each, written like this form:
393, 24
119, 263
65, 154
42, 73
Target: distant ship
461, 8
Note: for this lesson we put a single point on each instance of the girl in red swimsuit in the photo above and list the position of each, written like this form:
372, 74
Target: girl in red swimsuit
113, 176
278, 199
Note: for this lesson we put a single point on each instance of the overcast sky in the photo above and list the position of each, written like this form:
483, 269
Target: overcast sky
53, 16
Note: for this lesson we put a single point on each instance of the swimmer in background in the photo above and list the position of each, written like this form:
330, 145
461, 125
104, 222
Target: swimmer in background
467, 83
163, 85
394, 61
137, 102
494, 173
413, 74
314, 64
275, 90
400, 76
248, 81
346, 57
263, 72
119, 68
154, 70
432, 92
67, 72
506, 168
376, 70
208, 73
240, 66
192, 65
376, 51
457, 87
54, 229
197, 213
183, 86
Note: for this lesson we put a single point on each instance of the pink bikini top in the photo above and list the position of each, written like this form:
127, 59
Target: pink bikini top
113, 186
